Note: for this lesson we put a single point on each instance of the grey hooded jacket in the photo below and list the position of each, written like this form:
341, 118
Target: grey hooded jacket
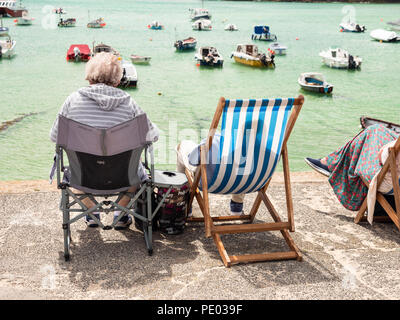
103, 107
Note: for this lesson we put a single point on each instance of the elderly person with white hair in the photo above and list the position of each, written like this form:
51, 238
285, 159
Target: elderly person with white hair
102, 105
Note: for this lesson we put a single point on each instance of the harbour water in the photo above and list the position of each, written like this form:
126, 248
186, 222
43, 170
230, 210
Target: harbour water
179, 96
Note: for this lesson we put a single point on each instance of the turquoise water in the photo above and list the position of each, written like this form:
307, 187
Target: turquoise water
179, 96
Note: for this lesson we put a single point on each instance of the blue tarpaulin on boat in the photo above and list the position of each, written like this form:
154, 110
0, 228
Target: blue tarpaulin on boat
261, 29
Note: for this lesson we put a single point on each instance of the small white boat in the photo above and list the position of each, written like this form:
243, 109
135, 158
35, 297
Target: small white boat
7, 47
96, 24
155, 25
341, 59
24, 20
384, 35
209, 56
314, 82
199, 13
202, 25
129, 76
231, 27
140, 59
394, 25
279, 49
352, 27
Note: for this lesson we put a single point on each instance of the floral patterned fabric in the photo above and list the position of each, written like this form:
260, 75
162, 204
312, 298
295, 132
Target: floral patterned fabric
357, 158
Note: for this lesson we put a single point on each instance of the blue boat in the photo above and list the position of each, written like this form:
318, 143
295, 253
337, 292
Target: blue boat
185, 44
155, 25
262, 33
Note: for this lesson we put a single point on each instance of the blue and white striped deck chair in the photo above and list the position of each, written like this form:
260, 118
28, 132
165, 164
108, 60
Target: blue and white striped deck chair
254, 135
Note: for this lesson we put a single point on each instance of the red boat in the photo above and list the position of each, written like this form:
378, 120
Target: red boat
10, 8
79, 52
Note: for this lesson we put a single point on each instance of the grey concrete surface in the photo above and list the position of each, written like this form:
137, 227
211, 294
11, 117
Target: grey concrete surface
341, 260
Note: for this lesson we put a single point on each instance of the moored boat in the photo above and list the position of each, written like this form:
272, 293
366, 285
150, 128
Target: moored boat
79, 52
7, 46
394, 25
98, 23
185, 44
59, 11
155, 25
384, 35
367, 121
66, 23
263, 33
129, 76
140, 59
314, 82
25, 20
104, 48
231, 27
279, 49
209, 56
11, 8
202, 25
340, 59
248, 54
199, 13
352, 27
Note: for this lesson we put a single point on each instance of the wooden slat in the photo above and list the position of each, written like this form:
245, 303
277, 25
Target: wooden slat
222, 252
247, 258
221, 218
361, 212
245, 228
207, 217
388, 208
288, 188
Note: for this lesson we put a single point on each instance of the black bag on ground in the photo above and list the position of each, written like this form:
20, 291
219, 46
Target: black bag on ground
173, 215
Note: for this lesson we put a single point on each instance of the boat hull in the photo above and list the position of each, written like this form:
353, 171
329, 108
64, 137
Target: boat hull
253, 63
17, 13
141, 60
264, 37
185, 46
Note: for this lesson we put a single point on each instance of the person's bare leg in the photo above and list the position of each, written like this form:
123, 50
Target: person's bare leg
125, 199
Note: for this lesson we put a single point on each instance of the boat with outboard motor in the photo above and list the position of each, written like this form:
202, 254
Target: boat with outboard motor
248, 54
340, 59
351, 27
155, 25
78, 53
314, 82
67, 23
202, 25
98, 23
209, 56
185, 44
263, 33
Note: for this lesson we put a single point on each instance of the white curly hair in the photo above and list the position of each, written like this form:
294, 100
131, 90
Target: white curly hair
104, 68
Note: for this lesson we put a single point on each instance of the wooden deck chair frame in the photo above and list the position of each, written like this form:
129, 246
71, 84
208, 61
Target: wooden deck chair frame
215, 231
393, 214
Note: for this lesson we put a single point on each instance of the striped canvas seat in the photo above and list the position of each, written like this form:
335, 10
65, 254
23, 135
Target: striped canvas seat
252, 134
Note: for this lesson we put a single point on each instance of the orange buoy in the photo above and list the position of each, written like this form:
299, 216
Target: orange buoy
297, 38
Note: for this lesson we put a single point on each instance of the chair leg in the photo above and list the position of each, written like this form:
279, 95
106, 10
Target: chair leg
361, 212
66, 225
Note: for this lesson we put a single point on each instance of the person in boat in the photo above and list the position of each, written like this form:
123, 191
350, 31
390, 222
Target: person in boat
103, 105
188, 157
360, 158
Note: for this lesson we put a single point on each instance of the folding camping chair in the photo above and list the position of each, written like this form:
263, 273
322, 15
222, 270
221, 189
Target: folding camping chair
254, 134
394, 214
104, 163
